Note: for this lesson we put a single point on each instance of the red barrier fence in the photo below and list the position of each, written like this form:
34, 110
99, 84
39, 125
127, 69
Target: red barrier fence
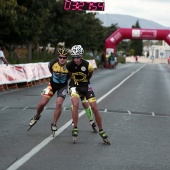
28, 73
33, 73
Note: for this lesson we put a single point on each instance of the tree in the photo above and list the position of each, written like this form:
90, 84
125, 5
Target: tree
32, 23
77, 27
9, 15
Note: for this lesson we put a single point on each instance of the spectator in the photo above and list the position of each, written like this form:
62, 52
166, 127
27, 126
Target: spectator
97, 58
169, 60
107, 58
136, 58
115, 61
112, 59
3, 60
102, 60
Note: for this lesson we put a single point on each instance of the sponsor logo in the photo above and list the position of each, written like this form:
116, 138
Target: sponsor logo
83, 68
135, 33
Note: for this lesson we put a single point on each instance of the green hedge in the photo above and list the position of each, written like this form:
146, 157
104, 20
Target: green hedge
121, 60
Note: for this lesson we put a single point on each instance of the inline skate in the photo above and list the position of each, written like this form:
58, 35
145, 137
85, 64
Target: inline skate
93, 125
33, 121
104, 136
75, 134
53, 128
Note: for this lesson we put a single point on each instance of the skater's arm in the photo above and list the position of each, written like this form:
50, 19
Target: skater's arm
90, 69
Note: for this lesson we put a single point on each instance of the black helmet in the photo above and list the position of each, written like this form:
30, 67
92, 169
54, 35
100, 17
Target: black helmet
63, 51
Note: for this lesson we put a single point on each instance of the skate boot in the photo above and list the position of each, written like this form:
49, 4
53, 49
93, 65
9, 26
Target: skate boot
33, 121
93, 125
75, 134
104, 136
53, 128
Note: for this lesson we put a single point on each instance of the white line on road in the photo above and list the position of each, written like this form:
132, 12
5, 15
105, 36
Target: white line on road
37, 148
45, 108
25, 108
4, 108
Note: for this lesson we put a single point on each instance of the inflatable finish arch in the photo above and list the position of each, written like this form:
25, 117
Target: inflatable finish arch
134, 33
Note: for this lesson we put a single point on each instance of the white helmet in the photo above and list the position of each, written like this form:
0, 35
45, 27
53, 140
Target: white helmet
77, 50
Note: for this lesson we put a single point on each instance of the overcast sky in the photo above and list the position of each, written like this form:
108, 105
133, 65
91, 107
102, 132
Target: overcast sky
155, 10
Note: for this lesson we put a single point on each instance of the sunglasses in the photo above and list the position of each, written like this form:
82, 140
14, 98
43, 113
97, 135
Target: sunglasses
64, 58
77, 57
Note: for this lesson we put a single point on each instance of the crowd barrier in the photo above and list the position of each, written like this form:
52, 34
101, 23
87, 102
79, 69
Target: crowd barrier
31, 74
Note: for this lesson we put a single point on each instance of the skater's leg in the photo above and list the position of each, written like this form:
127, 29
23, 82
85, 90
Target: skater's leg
57, 113
41, 105
99, 121
40, 108
96, 114
58, 109
46, 96
89, 113
61, 95
88, 110
75, 104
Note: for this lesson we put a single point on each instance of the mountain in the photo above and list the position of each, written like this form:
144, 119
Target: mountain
126, 21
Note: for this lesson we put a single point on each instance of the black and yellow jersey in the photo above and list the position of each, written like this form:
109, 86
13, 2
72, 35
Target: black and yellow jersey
60, 74
80, 73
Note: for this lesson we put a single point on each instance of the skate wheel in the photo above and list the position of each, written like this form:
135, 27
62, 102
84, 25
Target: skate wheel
29, 128
106, 141
74, 139
53, 133
95, 130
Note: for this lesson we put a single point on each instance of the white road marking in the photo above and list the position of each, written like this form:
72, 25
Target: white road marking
45, 108
64, 108
37, 148
25, 108
4, 108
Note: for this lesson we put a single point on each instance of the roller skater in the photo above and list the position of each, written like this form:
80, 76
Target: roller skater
53, 128
33, 121
81, 73
58, 84
75, 134
104, 136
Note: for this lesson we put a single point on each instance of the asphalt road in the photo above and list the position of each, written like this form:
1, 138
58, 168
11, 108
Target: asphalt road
133, 100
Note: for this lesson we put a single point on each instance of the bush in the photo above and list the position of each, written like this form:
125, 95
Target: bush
36, 57
121, 60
